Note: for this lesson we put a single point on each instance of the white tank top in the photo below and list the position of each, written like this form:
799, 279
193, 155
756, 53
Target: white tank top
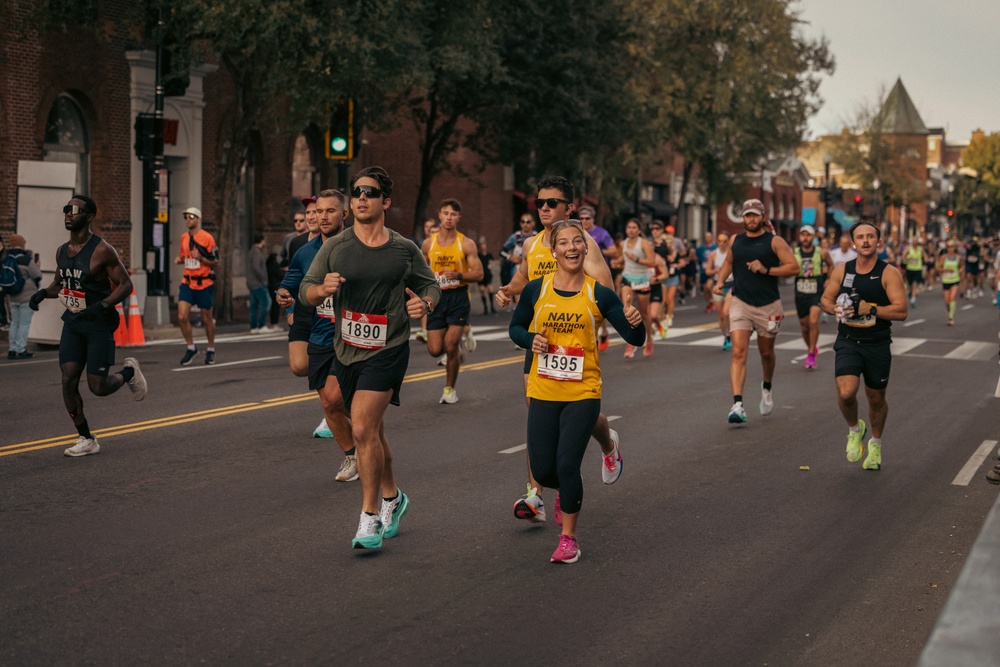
633, 267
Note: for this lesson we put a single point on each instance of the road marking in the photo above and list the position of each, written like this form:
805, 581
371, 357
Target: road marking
912, 322
968, 471
968, 306
523, 446
972, 350
123, 429
228, 363
903, 345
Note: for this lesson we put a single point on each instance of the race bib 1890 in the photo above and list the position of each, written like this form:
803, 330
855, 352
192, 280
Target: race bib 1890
364, 330
561, 363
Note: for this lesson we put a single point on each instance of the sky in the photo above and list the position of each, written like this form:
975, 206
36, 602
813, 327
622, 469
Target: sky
943, 50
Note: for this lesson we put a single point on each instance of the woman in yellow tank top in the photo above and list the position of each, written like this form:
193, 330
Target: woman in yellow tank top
566, 309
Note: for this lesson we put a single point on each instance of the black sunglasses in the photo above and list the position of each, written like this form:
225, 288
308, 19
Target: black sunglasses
369, 191
73, 209
551, 202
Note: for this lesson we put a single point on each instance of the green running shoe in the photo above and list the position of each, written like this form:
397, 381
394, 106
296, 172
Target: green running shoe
874, 459
856, 442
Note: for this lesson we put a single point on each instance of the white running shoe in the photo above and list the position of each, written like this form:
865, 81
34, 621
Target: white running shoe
348, 469
737, 415
323, 431
611, 464
137, 385
83, 446
369, 535
530, 507
443, 360
449, 396
469, 342
766, 402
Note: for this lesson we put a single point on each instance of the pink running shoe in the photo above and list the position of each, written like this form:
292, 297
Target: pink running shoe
568, 550
810, 362
629, 351
557, 512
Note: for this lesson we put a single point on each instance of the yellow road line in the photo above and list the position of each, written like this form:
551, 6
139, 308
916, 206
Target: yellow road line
123, 429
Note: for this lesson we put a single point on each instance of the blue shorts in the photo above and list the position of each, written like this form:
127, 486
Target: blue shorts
203, 298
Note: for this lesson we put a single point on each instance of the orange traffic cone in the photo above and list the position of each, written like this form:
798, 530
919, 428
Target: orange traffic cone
135, 334
121, 335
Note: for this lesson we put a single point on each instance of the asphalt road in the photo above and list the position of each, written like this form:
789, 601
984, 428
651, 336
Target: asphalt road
210, 530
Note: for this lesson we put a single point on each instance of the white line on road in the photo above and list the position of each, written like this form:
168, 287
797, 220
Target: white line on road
523, 446
967, 472
912, 322
228, 363
968, 306
972, 350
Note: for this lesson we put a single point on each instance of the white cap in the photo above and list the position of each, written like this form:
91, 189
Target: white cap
193, 211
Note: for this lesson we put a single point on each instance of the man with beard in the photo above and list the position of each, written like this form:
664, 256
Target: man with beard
378, 280
866, 295
756, 259
330, 208
90, 280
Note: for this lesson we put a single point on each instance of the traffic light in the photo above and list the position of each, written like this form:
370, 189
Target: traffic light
148, 137
951, 213
858, 206
340, 133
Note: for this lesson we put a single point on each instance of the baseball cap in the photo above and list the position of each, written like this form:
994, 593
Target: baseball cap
808, 228
669, 229
753, 206
587, 210
656, 223
308, 200
193, 211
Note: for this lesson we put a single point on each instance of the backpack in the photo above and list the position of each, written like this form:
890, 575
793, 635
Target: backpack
11, 278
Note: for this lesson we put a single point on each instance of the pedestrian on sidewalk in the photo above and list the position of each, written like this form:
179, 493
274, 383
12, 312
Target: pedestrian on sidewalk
20, 310
257, 284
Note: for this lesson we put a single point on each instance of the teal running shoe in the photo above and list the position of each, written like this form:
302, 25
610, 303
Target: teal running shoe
392, 511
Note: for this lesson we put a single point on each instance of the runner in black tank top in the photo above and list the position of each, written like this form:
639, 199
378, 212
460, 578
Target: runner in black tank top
756, 259
89, 281
865, 295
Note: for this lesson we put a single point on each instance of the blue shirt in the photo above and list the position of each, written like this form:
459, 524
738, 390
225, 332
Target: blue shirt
322, 329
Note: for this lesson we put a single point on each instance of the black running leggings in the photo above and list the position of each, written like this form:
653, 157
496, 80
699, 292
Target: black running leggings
558, 433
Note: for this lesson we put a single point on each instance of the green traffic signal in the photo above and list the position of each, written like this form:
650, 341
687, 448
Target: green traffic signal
340, 132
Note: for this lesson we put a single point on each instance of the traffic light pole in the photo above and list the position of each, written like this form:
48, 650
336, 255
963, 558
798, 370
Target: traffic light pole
156, 207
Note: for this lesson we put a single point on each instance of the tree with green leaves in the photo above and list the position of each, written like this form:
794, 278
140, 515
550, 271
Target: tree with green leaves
734, 82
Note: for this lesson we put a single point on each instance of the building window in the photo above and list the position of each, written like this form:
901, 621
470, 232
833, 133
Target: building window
304, 172
66, 140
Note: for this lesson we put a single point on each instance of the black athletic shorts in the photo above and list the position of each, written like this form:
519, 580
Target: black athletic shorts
301, 325
872, 359
88, 343
382, 372
656, 293
453, 310
320, 364
805, 302
914, 277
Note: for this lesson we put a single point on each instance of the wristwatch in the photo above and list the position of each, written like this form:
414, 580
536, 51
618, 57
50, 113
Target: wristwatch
429, 304
874, 311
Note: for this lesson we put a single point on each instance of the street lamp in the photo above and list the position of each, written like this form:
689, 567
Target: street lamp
875, 206
827, 195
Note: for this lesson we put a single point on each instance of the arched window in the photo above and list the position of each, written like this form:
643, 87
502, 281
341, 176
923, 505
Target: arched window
305, 176
66, 140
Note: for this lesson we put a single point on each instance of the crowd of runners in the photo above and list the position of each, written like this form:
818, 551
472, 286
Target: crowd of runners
350, 293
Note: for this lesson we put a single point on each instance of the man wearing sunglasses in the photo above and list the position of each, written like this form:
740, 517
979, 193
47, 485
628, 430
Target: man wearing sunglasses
199, 255
90, 280
454, 259
554, 203
378, 280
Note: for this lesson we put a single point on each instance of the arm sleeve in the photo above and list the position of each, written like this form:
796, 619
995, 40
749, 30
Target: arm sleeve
521, 319
614, 312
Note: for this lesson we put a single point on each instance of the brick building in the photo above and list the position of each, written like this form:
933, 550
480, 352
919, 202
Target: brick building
66, 125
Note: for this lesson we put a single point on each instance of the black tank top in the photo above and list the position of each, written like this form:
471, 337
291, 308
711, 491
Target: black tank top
868, 287
74, 272
752, 288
